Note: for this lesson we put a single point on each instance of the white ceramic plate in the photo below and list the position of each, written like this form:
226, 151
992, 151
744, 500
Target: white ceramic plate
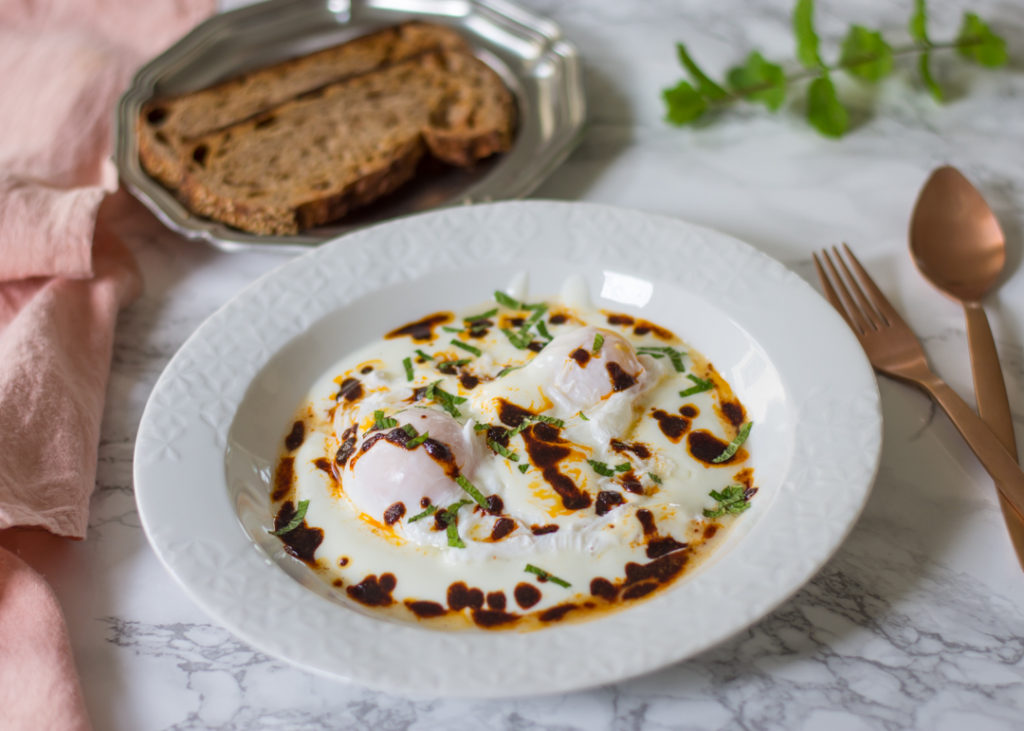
211, 430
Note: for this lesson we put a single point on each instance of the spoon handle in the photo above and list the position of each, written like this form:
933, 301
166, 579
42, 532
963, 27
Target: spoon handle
993, 405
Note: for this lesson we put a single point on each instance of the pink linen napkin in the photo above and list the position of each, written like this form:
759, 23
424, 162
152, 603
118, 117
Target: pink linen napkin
63, 278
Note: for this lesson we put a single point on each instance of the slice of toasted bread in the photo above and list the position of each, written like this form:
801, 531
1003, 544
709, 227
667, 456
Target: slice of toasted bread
309, 161
165, 125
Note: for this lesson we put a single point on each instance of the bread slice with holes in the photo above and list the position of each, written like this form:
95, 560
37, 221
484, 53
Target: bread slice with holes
311, 160
166, 125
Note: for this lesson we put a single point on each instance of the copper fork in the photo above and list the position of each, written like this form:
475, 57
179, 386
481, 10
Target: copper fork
894, 350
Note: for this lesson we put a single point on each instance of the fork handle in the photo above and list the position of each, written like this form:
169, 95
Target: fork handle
983, 442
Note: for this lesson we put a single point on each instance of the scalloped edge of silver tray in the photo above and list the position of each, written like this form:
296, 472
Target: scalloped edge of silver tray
537, 63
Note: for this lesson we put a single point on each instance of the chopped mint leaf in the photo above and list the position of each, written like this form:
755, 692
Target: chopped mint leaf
583, 416
516, 339
624, 467
449, 366
296, 521
431, 509
508, 369
448, 328
472, 491
654, 478
409, 430
503, 451
699, 386
731, 500
735, 444
407, 363
658, 351
545, 576
482, 316
383, 422
467, 347
598, 342
523, 468
417, 441
601, 468
505, 301
424, 356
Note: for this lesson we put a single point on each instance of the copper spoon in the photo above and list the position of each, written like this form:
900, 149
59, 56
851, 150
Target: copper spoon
959, 247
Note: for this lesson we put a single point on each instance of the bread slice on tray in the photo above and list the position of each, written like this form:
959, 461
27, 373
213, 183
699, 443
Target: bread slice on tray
165, 125
310, 160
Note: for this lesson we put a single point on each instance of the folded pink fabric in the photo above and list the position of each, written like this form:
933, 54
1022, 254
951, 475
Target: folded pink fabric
63, 278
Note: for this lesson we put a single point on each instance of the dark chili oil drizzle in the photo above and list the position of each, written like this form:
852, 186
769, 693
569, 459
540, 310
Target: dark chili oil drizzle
324, 464
498, 434
689, 411
283, 479
619, 319
295, 438
663, 545
581, 356
546, 449
603, 588
710, 530
635, 591
516, 321
502, 527
338, 583
345, 451
394, 513
302, 541
705, 447
422, 330
526, 595
733, 411
620, 379
536, 346
511, 414
672, 426
640, 450
343, 561
495, 505
557, 319
418, 394
462, 597
662, 570
468, 380
608, 500
480, 328
366, 369
351, 390
646, 519
643, 327
493, 617
543, 530
556, 613
441, 454
496, 600
425, 609
631, 484
374, 592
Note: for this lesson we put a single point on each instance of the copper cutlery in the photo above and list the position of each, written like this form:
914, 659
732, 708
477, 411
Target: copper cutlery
893, 349
958, 245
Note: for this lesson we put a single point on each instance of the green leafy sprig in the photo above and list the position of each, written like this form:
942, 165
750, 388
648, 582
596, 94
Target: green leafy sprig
864, 54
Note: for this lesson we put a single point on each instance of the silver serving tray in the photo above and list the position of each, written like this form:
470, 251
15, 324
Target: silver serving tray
540, 67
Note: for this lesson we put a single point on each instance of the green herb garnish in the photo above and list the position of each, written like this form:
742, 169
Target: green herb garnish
454, 540
417, 440
505, 301
431, 509
467, 347
472, 491
448, 328
536, 417
481, 427
583, 416
731, 500
624, 467
295, 522
598, 342
545, 576
523, 468
482, 316
410, 430
383, 422
503, 451
516, 339
654, 478
663, 351
700, 385
735, 444
601, 468
407, 363
449, 516
423, 355
864, 54
449, 366
542, 330
447, 400
508, 369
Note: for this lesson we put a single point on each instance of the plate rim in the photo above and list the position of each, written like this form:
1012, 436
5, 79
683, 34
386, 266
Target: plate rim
240, 622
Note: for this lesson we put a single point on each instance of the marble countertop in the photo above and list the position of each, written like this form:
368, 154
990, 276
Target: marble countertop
916, 622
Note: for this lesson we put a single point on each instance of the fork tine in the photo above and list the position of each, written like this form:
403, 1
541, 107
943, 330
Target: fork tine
830, 292
880, 301
868, 307
861, 324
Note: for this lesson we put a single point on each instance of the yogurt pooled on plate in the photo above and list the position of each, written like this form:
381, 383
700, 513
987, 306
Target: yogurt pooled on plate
515, 465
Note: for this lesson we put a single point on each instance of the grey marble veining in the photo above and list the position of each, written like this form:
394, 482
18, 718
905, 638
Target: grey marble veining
918, 620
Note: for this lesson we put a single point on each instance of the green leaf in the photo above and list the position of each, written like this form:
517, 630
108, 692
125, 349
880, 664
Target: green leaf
865, 54
707, 87
699, 386
806, 37
735, 444
924, 67
760, 81
545, 576
918, 26
824, 110
683, 104
296, 521
731, 500
470, 488
978, 43
598, 342
431, 509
